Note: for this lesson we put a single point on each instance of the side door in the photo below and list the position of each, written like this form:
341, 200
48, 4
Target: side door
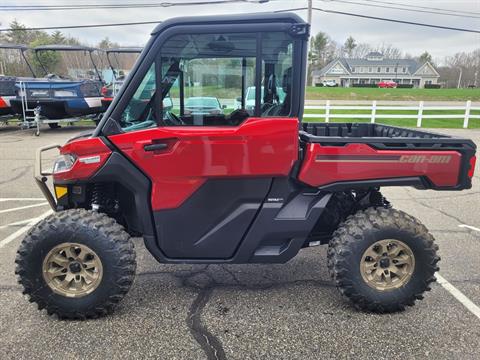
211, 161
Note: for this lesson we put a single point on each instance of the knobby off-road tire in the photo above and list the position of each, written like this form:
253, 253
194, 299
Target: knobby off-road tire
97, 233
358, 235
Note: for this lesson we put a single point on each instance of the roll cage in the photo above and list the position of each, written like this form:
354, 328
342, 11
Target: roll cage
78, 48
123, 50
22, 49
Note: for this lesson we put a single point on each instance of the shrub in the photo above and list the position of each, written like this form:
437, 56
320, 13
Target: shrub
432, 86
404, 86
364, 85
318, 84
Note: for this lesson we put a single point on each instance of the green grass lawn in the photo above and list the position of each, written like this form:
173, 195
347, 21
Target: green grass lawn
338, 93
426, 123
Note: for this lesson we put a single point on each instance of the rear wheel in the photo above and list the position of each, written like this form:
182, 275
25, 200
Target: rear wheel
382, 259
54, 125
76, 264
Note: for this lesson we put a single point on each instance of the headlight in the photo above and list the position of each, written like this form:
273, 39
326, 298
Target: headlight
63, 163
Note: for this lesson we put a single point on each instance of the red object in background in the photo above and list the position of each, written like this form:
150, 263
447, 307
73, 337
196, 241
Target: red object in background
325, 165
258, 147
473, 160
104, 90
3, 104
81, 149
387, 84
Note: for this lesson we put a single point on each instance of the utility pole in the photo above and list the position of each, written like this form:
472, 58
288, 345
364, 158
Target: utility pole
310, 2
309, 19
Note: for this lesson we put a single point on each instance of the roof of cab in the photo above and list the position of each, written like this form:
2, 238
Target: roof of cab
267, 17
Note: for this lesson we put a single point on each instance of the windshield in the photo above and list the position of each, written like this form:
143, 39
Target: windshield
202, 102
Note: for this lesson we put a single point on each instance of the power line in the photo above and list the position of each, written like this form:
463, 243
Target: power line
284, 10
81, 26
121, 6
422, 7
383, 19
402, 8
396, 20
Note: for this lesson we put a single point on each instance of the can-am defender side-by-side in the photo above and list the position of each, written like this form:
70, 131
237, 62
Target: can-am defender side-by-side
60, 97
8, 81
236, 186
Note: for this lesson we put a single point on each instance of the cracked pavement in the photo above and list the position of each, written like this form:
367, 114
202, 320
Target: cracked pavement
284, 311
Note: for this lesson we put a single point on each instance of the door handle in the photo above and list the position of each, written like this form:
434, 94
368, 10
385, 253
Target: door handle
155, 147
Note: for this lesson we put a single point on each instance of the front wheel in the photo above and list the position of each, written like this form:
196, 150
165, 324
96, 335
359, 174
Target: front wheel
77, 264
382, 259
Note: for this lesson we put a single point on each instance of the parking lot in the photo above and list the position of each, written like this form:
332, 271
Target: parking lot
289, 311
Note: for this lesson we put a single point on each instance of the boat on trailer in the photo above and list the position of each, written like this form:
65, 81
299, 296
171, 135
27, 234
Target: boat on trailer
59, 97
7, 82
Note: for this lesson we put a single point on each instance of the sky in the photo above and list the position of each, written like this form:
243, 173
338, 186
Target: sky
411, 39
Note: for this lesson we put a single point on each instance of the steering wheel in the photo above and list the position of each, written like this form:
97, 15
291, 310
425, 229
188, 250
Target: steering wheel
172, 119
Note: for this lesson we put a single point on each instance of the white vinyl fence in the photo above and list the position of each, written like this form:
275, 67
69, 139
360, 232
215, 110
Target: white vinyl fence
374, 108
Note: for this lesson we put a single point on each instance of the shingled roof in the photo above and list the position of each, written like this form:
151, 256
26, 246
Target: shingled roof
411, 64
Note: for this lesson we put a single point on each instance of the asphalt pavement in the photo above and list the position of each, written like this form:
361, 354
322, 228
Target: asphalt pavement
289, 311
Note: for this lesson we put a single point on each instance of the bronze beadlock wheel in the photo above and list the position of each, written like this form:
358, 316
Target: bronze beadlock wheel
76, 264
382, 259
387, 264
72, 270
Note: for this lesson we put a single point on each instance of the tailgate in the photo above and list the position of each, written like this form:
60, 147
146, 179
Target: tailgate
404, 158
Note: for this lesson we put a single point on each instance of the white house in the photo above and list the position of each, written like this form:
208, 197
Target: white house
375, 68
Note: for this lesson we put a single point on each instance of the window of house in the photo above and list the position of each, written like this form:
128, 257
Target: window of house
404, 70
387, 69
353, 69
379, 69
369, 69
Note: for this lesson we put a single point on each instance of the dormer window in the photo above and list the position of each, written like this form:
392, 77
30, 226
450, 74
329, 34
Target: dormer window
374, 56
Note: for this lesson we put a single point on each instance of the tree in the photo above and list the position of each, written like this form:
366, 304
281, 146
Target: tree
318, 45
389, 51
58, 37
349, 46
49, 59
105, 43
424, 58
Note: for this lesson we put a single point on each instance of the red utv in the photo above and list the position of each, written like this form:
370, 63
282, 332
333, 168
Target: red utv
242, 186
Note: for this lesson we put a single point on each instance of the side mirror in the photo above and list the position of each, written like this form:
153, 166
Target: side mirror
224, 106
239, 99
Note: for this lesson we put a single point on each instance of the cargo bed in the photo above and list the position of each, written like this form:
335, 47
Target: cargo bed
342, 156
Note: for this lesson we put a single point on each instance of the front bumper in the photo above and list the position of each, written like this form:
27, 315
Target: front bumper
41, 177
